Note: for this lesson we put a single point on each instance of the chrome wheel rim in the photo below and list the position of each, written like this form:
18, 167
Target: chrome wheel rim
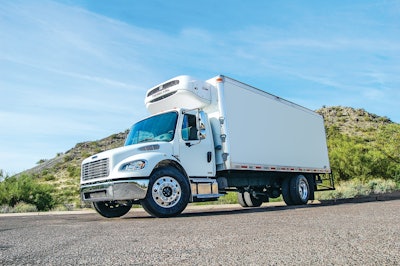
166, 192
303, 189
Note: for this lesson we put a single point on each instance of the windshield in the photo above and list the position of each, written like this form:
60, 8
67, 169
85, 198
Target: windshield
156, 128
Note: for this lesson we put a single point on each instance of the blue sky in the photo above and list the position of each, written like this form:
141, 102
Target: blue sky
74, 71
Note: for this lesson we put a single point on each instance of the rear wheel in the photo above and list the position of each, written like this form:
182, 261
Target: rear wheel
241, 201
252, 201
168, 193
299, 190
286, 192
111, 209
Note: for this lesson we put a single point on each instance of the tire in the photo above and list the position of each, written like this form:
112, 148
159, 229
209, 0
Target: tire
110, 209
311, 184
251, 201
286, 191
241, 201
168, 193
299, 190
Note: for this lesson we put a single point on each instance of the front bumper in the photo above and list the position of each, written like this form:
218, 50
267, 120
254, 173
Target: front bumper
115, 190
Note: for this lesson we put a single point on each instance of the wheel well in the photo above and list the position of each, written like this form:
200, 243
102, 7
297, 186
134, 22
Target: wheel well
172, 163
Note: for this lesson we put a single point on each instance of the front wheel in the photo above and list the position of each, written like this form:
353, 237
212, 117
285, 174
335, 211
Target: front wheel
111, 209
168, 193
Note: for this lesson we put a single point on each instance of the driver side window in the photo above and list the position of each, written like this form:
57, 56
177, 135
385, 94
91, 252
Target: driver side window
189, 128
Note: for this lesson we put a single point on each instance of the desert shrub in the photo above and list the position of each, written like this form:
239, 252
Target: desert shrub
67, 158
5, 208
85, 154
379, 186
24, 207
14, 190
49, 177
41, 161
18, 208
356, 188
73, 171
229, 198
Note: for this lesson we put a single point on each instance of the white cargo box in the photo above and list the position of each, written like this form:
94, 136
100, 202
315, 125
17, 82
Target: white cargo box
267, 133
187, 93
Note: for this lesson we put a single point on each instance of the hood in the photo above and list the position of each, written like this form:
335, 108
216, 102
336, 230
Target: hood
118, 154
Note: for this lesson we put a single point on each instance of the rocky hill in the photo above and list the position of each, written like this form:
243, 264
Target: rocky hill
75, 155
63, 171
350, 121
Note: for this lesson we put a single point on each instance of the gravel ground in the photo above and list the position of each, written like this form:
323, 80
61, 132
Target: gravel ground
348, 233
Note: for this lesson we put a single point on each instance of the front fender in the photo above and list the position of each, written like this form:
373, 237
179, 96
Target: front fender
151, 159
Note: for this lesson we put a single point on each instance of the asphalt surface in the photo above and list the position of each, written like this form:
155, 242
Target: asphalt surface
341, 233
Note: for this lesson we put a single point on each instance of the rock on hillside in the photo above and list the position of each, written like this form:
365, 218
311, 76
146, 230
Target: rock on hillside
352, 121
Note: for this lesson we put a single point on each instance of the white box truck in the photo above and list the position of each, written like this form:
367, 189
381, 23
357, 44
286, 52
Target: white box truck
204, 139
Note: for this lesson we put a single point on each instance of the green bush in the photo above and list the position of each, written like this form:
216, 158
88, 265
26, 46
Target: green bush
49, 177
73, 171
41, 161
372, 156
85, 154
67, 158
14, 190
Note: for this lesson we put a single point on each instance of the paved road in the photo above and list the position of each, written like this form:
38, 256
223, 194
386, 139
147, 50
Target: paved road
339, 234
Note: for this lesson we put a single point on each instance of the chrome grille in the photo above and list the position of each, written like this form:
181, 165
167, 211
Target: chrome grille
95, 169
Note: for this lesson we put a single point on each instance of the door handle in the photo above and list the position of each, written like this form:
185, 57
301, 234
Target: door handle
209, 156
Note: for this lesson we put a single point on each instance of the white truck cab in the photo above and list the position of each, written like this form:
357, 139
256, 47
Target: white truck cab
205, 138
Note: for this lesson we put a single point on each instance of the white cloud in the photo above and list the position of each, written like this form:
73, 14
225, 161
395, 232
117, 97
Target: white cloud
374, 94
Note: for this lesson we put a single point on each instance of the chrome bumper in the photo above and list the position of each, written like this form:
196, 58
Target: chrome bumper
115, 190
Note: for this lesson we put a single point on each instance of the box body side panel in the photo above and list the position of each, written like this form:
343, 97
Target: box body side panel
266, 130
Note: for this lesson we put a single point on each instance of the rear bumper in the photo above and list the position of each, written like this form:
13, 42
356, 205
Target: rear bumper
115, 190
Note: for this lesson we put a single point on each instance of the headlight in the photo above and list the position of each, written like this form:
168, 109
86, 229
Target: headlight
133, 166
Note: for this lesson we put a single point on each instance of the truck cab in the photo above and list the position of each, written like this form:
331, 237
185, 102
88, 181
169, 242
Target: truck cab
171, 152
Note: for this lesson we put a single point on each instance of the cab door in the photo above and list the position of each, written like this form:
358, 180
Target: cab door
196, 147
